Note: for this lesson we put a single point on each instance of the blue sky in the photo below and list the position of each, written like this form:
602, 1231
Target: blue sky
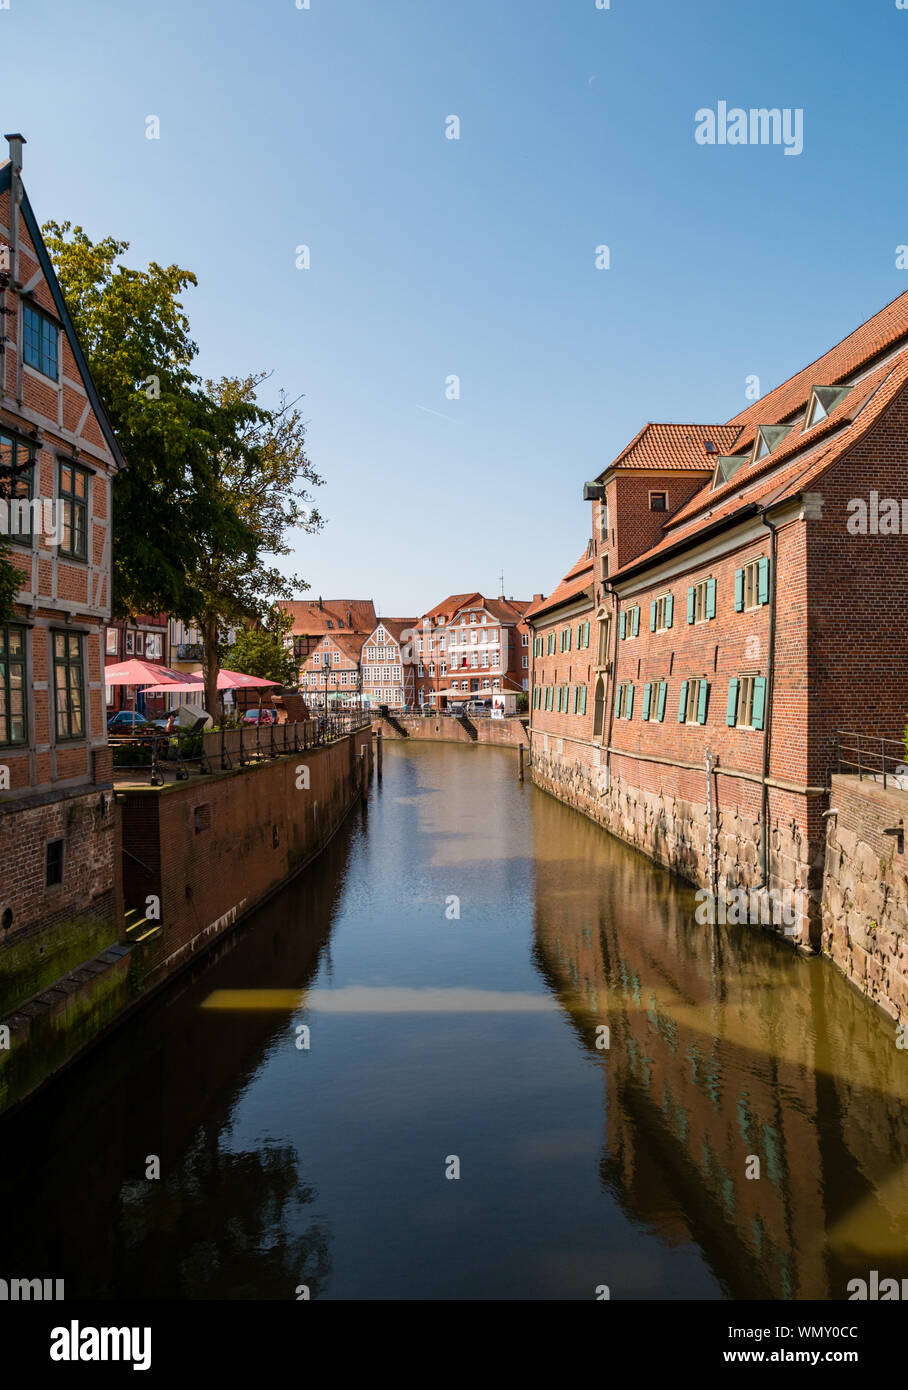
475, 257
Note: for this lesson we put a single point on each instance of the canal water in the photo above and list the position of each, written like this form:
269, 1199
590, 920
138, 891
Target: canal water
473, 980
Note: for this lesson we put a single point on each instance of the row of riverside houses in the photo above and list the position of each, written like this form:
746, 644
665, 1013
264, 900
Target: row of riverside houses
466, 649
57, 829
741, 600
469, 648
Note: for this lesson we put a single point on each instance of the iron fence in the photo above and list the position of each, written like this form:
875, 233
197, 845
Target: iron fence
870, 756
159, 755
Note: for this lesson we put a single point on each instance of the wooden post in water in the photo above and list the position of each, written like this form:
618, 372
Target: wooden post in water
520, 762
378, 752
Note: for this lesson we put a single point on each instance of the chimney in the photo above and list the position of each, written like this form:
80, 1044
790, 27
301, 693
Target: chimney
349, 619
320, 604
537, 598
15, 143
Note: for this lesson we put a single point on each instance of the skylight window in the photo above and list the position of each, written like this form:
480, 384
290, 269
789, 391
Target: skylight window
823, 399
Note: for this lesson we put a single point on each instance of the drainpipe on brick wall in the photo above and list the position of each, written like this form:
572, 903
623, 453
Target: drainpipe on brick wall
767, 712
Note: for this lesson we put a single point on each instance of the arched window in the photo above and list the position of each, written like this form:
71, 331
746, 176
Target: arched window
599, 708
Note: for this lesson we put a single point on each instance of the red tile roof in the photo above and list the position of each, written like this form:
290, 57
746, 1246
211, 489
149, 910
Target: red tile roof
794, 469
577, 581
675, 446
312, 616
449, 606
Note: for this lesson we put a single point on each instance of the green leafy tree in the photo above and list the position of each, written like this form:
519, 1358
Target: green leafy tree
261, 651
262, 478
135, 335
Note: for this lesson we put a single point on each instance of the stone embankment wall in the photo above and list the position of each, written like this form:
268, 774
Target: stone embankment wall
508, 733
663, 812
865, 890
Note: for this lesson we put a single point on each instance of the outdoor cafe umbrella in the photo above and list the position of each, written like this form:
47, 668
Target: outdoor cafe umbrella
227, 680
144, 674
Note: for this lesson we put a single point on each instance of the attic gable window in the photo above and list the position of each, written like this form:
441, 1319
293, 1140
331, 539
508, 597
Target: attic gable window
39, 342
823, 400
727, 466
769, 437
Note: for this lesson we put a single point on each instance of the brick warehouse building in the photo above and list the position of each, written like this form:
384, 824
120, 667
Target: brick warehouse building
736, 602
57, 898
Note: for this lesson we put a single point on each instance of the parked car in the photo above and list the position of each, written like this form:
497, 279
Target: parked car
125, 721
268, 716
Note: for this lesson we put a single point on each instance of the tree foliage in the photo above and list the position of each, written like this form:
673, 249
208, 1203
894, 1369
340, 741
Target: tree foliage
215, 482
261, 651
136, 338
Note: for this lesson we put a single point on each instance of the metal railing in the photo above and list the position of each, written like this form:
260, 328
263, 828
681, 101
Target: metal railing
183, 753
870, 756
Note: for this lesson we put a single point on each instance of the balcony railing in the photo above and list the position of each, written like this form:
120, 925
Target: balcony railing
879, 759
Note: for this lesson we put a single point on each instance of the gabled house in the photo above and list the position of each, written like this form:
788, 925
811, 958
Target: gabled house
58, 458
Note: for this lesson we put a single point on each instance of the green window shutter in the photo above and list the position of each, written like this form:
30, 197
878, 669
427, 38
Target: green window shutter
647, 692
618, 703
652, 615
701, 702
660, 714
669, 610
731, 714
623, 623
576, 699
710, 598
682, 702
637, 620
739, 591
759, 701
690, 604
763, 580
586, 634
630, 699
583, 699
569, 636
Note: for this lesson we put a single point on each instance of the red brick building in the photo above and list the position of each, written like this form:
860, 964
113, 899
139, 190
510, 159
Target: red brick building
389, 665
313, 618
744, 593
470, 647
57, 452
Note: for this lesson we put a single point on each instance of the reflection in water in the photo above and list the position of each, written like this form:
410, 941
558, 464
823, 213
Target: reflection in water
476, 1036
724, 1046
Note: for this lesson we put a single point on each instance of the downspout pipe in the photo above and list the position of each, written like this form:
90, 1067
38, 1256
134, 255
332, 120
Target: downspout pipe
767, 712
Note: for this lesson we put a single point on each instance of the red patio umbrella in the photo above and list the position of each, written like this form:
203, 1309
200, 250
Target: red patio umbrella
145, 674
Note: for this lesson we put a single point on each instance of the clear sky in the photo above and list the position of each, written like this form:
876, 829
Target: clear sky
432, 257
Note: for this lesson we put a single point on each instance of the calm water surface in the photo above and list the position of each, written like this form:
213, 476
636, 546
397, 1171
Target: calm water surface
434, 1035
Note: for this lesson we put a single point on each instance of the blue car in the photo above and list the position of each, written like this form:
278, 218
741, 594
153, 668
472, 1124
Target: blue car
125, 720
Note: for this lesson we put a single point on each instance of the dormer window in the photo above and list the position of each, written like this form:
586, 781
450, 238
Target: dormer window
727, 466
769, 437
823, 400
